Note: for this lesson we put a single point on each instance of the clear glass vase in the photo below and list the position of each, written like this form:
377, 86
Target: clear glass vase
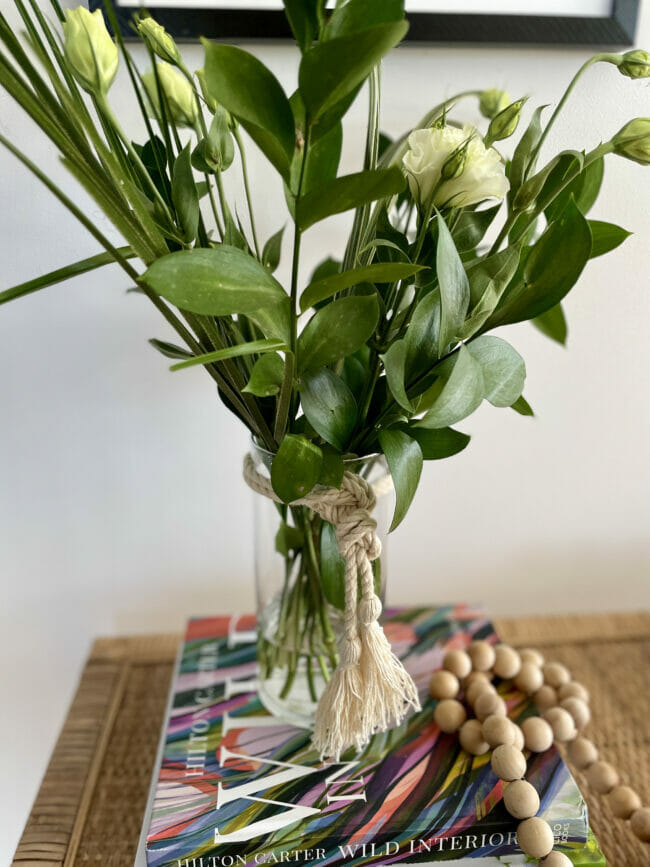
300, 592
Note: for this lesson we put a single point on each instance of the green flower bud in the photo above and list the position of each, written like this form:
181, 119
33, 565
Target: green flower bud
179, 94
493, 101
635, 64
210, 101
454, 165
633, 141
157, 38
506, 121
89, 51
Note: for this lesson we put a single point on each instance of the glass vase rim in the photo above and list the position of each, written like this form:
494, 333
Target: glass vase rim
346, 460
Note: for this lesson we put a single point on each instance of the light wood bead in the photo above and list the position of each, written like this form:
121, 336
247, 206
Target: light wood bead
498, 730
482, 655
508, 763
449, 715
545, 697
521, 799
443, 684
623, 801
538, 734
535, 837
477, 677
555, 674
471, 738
561, 721
582, 753
530, 655
477, 688
519, 741
602, 777
488, 704
571, 689
529, 678
640, 824
556, 859
578, 709
457, 662
506, 662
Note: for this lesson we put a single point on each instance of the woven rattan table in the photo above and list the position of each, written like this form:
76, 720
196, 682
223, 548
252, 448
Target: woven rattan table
90, 804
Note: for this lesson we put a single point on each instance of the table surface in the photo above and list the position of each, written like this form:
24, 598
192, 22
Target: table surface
91, 802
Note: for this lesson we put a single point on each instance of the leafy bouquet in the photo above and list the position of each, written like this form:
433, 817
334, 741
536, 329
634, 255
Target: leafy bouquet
386, 347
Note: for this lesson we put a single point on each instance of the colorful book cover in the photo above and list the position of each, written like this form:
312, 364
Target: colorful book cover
237, 786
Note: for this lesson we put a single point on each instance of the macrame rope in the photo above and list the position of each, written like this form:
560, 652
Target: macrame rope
370, 689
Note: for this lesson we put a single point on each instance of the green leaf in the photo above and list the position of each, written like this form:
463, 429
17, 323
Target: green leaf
185, 195
272, 250
404, 457
422, 335
504, 371
344, 193
357, 15
332, 567
552, 324
604, 237
332, 468
458, 391
266, 376
61, 274
472, 226
551, 269
521, 157
255, 347
329, 406
454, 288
331, 70
243, 85
439, 444
288, 539
303, 20
219, 281
380, 272
295, 468
522, 406
337, 330
170, 350
394, 361
541, 189
584, 189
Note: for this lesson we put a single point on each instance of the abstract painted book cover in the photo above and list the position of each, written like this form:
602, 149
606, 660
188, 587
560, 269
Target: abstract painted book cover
237, 786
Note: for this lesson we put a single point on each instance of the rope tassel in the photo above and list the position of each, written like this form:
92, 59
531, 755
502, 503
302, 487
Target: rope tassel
370, 690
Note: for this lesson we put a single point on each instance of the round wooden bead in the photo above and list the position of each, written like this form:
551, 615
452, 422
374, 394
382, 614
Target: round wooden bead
640, 823
457, 662
578, 709
521, 799
482, 655
545, 697
556, 859
508, 763
489, 703
582, 753
471, 738
538, 734
535, 837
519, 737
449, 715
623, 801
498, 730
602, 777
561, 722
571, 689
443, 684
477, 677
476, 688
506, 661
555, 674
530, 678
530, 655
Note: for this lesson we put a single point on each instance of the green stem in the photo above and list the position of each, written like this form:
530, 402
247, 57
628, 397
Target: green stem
249, 200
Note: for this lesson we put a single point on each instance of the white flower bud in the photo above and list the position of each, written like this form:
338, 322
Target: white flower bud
633, 141
493, 101
179, 94
635, 64
482, 177
157, 38
90, 52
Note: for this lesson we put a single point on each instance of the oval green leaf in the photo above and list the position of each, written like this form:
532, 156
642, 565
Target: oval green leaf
379, 272
295, 468
329, 406
337, 330
404, 457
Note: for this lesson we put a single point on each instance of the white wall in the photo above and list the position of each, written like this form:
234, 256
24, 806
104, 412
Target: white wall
121, 505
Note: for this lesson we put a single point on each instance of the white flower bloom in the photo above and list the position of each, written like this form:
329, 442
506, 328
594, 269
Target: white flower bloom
483, 176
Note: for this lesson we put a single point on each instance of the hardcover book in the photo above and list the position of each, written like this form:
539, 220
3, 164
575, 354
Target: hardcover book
237, 786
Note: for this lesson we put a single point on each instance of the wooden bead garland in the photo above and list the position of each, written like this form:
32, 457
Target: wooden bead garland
564, 708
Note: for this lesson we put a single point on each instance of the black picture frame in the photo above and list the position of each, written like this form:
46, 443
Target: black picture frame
617, 29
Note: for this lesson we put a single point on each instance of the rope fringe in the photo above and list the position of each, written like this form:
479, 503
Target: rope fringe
370, 690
